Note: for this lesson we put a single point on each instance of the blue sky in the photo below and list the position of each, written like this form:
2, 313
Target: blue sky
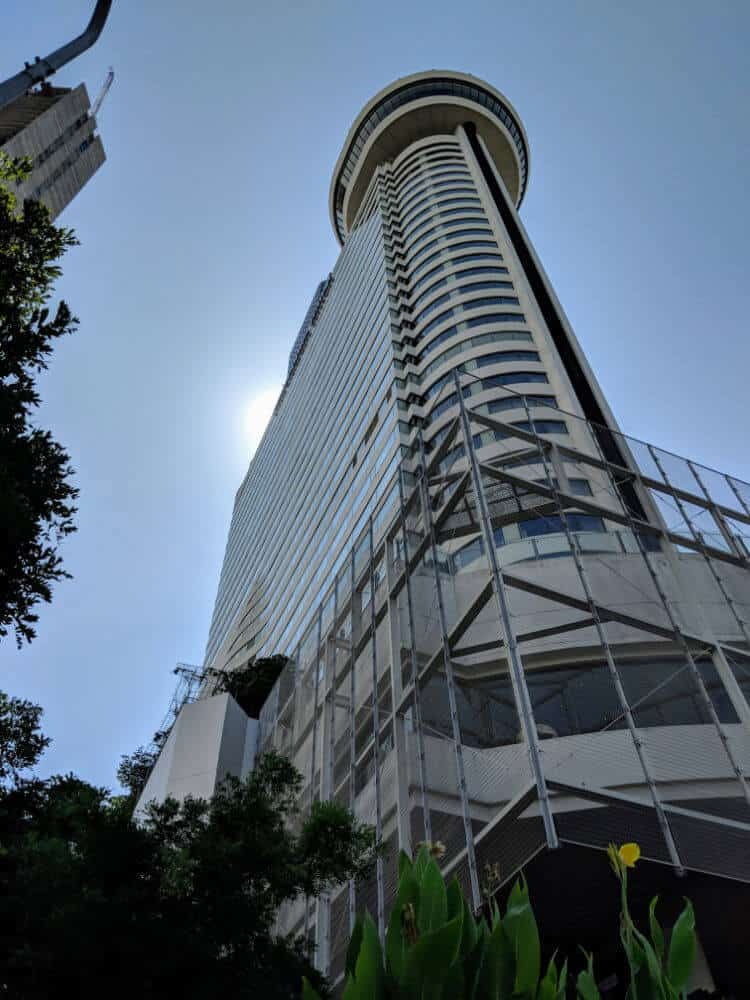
206, 232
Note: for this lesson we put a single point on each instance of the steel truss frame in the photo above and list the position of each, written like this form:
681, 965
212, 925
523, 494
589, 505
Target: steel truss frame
436, 498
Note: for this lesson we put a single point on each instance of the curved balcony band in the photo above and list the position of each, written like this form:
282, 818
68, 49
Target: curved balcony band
413, 108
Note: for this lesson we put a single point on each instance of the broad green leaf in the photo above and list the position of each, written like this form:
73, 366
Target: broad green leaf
657, 935
421, 861
473, 964
500, 962
470, 934
397, 944
308, 993
429, 961
404, 863
586, 988
487, 979
548, 986
562, 982
455, 899
652, 965
433, 900
368, 973
352, 950
682, 949
520, 927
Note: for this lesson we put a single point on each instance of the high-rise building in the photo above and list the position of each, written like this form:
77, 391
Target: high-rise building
55, 128
510, 628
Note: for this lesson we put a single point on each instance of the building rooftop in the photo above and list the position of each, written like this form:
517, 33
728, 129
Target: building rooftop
417, 106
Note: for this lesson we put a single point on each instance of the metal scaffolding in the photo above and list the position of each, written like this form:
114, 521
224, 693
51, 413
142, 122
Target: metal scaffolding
529, 645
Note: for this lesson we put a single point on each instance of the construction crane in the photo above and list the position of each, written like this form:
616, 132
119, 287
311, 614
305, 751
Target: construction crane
41, 69
102, 93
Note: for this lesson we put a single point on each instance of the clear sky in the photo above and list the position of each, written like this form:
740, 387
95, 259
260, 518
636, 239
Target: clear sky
206, 232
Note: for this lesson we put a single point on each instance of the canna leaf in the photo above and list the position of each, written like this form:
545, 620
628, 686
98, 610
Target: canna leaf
521, 930
548, 986
657, 935
654, 989
429, 961
682, 949
421, 861
586, 988
308, 993
455, 899
470, 934
368, 973
397, 937
404, 863
562, 982
433, 900
352, 950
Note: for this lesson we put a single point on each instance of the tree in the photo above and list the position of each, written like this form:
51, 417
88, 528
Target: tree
21, 742
183, 904
36, 494
251, 683
133, 770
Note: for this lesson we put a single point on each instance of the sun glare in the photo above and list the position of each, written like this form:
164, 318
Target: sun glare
257, 415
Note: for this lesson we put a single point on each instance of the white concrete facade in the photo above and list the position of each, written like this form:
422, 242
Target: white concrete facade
510, 626
210, 739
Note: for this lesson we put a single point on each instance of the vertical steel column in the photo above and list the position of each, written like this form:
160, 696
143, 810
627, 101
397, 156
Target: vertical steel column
682, 642
742, 624
397, 720
327, 789
355, 615
448, 667
614, 672
315, 705
518, 676
332, 692
376, 738
422, 763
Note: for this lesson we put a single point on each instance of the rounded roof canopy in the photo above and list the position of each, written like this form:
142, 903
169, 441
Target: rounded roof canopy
414, 108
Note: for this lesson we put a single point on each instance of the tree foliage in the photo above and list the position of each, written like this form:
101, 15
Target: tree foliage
181, 904
134, 769
251, 684
21, 742
36, 494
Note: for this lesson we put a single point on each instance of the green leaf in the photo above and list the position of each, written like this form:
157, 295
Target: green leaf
352, 950
396, 943
471, 933
404, 863
655, 988
586, 988
421, 861
520, 927
548, 986
682, 949
429, 961
433, 900
657, 935
308, 993
368, 973
562, 982
455, 899
487, 972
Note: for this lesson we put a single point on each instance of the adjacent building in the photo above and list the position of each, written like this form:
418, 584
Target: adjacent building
510, 628
55, 128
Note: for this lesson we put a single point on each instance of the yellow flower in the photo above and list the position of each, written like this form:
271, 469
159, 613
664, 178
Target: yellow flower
629, 854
